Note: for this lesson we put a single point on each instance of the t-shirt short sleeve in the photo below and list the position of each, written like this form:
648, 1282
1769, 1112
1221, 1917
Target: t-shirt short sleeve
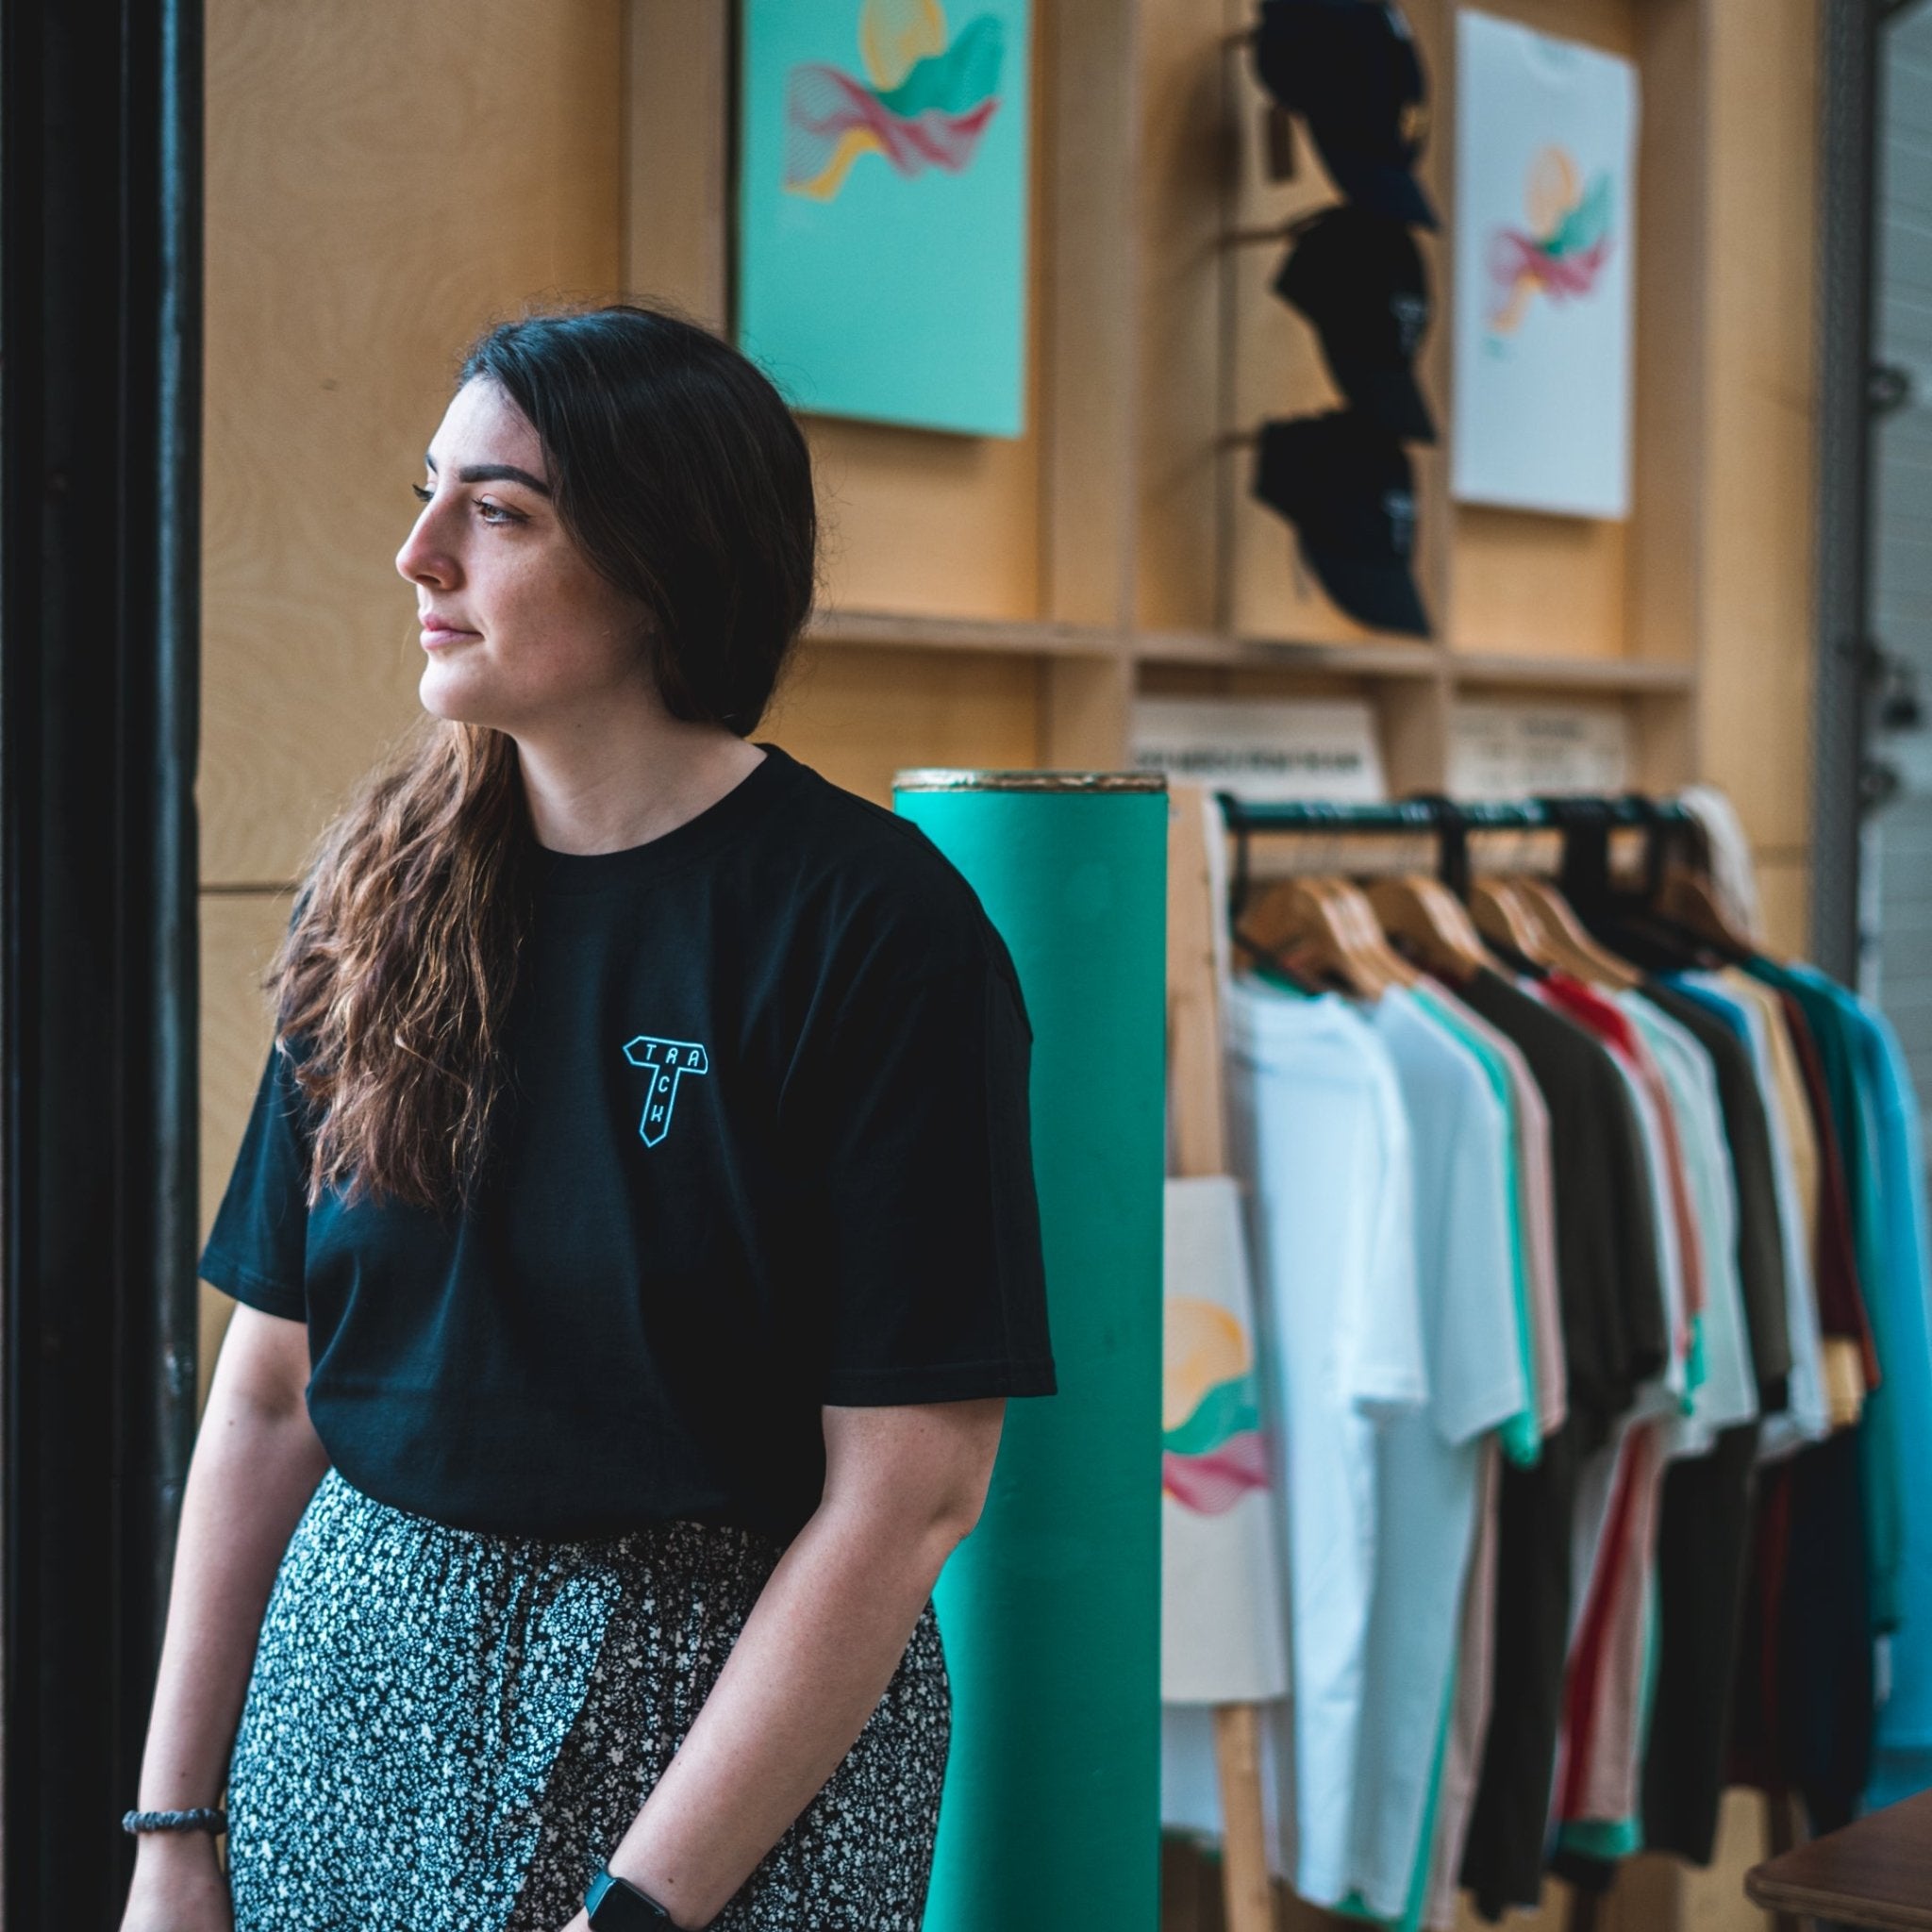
913, 1125
256, 1248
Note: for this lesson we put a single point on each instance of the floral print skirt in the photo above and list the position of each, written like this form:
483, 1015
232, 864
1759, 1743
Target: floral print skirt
447, 1731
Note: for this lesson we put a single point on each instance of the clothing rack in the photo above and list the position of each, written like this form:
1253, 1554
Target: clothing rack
1584, 823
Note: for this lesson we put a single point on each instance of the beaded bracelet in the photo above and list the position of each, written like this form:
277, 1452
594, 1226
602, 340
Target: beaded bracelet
202, 1818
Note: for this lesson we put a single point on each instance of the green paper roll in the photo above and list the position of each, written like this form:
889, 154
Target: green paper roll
1050, 1610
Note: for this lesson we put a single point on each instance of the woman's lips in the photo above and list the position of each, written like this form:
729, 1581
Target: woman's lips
434, 634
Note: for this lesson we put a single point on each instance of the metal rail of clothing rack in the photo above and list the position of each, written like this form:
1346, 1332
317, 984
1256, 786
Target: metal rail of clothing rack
1584, 821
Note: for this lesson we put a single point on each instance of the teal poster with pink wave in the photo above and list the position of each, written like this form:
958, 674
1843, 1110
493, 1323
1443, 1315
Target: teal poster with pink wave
882, 208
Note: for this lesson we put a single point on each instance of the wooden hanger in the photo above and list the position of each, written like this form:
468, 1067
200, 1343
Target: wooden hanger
1351, 904
1434, 921
1265, 934
1293, 967
1500, 916
1286, 914
1685, 898
1576, 951
1330, 926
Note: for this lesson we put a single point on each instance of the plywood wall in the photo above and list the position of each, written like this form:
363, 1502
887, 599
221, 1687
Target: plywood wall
1757, 590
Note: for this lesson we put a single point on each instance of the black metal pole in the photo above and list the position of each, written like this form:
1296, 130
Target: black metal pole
100, 406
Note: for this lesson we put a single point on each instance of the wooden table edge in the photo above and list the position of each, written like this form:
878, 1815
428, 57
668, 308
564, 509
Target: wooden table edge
1813, 1902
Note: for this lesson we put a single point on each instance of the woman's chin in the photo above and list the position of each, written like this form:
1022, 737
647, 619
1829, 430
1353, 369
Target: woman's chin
455, 699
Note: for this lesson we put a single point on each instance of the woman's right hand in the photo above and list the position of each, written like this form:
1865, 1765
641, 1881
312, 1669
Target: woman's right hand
178, 1886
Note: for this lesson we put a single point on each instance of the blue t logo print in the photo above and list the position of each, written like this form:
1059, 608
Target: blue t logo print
667, 1062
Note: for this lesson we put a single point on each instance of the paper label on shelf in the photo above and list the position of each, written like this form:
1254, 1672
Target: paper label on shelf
1504, 749
1315, 748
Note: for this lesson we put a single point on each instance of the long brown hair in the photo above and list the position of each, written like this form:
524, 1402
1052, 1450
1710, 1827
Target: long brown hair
680, 473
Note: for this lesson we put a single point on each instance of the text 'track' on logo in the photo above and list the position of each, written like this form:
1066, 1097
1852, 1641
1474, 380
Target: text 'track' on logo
667, 1062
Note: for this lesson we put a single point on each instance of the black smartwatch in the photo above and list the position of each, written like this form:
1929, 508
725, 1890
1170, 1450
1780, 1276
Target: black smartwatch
615, 1905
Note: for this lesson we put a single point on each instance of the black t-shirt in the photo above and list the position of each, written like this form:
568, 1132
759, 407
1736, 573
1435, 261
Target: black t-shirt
1608, 1286
767, 1146
1614, 1339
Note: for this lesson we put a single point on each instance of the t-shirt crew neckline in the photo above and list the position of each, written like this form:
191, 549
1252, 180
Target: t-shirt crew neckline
634, 865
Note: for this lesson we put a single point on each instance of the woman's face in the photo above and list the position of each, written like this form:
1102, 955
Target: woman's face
538, 634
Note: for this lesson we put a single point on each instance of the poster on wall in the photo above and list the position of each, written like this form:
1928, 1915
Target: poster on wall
882, 244
1544, 245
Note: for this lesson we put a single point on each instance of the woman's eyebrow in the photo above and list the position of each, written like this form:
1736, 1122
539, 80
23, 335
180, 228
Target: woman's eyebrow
495, 472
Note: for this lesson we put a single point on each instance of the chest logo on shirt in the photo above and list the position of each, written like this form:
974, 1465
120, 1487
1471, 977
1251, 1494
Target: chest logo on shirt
667, 1062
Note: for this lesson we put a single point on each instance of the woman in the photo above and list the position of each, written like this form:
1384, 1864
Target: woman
636, 1235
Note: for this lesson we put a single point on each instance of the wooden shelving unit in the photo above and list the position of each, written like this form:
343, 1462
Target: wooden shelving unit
1158, 343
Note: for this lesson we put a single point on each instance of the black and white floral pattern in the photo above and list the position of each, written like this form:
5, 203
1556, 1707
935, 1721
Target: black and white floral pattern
448, 1731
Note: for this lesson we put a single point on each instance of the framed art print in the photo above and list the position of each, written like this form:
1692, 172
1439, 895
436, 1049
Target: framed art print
1543, 290
882, 206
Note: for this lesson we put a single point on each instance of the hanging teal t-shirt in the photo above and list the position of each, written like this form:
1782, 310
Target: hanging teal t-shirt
1837, 1020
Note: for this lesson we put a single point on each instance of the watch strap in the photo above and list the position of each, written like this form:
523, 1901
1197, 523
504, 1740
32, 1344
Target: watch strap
615, 1905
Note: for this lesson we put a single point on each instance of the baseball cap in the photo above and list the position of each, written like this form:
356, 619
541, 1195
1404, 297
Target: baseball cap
1349, 68
1358, 278
1346, 484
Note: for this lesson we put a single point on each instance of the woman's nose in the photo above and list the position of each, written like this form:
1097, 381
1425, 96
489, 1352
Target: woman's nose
421, 561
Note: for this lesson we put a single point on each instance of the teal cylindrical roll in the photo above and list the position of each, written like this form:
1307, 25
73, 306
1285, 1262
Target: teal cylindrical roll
1050, 1610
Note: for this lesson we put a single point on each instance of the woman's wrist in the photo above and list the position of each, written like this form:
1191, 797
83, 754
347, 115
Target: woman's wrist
172, 1847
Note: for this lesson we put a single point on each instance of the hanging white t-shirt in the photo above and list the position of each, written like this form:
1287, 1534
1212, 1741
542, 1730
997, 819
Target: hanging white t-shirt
1728, 1393
1316, 1128
1318, 1123
1429, 1474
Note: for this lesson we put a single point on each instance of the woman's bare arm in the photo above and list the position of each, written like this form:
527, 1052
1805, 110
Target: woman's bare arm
904, 1485
256, 1462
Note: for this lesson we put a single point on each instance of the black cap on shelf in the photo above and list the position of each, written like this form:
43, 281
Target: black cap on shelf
1358, 277
1349, 68
1346, 484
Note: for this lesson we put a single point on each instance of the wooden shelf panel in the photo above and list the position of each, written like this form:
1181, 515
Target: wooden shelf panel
925, 631
1229, 648
1493, 670
1462, 670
